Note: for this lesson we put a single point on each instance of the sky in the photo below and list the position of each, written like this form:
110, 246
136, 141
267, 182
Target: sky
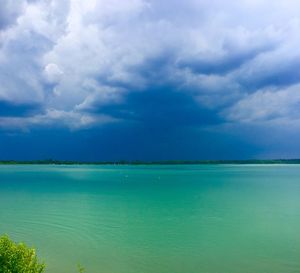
111, 80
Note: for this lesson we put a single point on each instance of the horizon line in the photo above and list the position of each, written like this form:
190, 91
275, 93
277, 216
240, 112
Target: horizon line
150, 162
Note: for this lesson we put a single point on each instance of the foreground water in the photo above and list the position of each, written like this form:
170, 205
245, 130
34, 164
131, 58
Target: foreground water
156, 219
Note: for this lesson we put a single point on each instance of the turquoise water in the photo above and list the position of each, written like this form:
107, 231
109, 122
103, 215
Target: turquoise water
156, 219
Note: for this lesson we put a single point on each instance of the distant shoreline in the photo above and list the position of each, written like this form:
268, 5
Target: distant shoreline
166, 162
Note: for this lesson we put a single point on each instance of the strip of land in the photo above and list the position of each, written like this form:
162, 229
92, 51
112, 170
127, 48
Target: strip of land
166, 162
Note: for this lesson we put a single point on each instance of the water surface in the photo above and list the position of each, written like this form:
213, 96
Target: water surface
156, 219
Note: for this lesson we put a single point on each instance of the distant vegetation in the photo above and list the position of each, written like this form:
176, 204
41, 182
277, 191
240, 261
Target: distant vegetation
166, 162
18, 258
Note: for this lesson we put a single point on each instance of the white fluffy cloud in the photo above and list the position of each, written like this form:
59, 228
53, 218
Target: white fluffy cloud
53, 73
267, 104
55, 118
239, 58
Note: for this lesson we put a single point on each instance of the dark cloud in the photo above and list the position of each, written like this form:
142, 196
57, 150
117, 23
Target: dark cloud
161, 108
144, 79
123, 142
14, 110
280, 76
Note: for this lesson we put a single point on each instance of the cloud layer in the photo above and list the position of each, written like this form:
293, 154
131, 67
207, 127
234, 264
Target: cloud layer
201, 64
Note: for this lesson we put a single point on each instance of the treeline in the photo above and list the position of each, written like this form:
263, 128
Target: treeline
136, 162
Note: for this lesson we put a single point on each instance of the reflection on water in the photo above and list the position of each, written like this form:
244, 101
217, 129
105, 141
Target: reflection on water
156, 219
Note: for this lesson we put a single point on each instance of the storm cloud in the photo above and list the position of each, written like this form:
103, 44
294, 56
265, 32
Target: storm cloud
203, 67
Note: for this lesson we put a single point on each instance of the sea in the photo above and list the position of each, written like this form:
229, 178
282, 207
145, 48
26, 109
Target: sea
155, 218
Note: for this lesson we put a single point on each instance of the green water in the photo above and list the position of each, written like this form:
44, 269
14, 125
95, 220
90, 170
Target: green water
156, 219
